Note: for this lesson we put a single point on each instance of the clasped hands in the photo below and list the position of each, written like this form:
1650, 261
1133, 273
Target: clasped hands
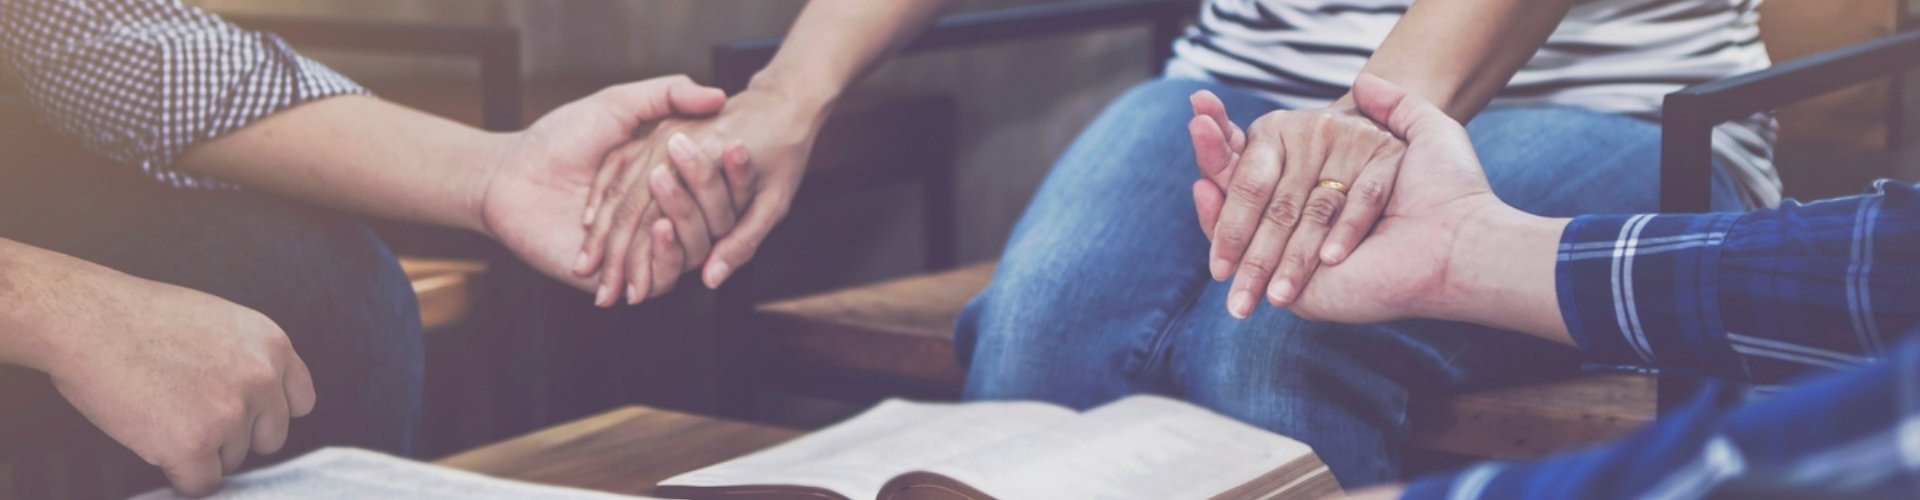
1383, 250
675, 188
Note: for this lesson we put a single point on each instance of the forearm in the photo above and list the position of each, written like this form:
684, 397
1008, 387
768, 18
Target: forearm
836, 42
1461, 53
362, 155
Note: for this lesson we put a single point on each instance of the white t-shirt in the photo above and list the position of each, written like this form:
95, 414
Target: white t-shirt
1615, 56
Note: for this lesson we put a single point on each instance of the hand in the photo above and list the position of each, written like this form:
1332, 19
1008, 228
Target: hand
188, 381
532, 200
1404, 265
778, 136
1275, 224
622, 210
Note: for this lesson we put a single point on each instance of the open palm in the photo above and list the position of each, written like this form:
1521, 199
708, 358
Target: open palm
534, 201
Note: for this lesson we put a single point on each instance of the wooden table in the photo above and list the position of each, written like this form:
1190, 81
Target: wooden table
626, 450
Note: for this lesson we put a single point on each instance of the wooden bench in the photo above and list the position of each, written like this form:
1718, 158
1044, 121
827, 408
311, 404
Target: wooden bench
445, 288
903, 329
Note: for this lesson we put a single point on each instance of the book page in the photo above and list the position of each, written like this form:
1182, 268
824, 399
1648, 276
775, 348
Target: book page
854, 458
1138, 447
354, 474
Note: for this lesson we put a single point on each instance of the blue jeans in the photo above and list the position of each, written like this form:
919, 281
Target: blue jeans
329, 283
1103, 289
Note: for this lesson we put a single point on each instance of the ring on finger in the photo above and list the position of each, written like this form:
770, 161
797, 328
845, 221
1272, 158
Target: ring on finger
1334, 185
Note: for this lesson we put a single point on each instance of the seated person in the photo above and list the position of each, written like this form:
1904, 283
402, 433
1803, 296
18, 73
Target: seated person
1107, 289
1817, 296
159, 259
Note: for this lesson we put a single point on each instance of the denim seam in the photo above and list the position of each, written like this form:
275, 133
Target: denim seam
1156, 350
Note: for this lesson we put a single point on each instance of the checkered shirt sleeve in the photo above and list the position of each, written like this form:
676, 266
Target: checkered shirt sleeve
139, 81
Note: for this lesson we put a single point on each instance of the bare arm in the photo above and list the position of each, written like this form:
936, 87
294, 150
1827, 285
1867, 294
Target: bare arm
364, 155
1460, 53
836, 42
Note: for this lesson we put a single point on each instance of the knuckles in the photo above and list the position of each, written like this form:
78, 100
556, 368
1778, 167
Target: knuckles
1284, 211
1321, 210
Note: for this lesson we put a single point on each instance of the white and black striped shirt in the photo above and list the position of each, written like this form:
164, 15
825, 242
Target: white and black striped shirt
139, 81
1616, 56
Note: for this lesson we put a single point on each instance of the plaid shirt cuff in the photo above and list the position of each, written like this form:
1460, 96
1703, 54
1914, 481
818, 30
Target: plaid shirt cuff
1643, 289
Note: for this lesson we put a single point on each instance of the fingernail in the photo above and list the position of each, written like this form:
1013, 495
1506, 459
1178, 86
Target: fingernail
580, 263
633, 294
1281, 292
680, 147
717, 273
1240, 304
1221, 268
600, 297
586, 219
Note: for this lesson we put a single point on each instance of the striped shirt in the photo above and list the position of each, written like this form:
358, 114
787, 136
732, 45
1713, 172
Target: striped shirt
1823, 297
1615, 56
138, 81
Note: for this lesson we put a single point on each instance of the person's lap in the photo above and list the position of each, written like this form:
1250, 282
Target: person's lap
1103, 290
323, 277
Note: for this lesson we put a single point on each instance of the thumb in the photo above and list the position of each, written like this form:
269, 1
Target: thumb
657, 98
1405, 114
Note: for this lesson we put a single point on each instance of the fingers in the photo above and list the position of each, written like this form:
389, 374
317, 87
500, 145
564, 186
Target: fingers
233, 452
741, 179
689, 231
738, 247
1248, 194
631, 215
1209, 105
1304, 159
1210, 150
704, 181
597, 246
197, 476
656, 98
1302, 253
1366, 200
610, 169
1338, 151
668, 258
270, 427
1207, 200
299, 385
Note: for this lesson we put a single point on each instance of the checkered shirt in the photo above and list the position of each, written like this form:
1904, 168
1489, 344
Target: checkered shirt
140, 81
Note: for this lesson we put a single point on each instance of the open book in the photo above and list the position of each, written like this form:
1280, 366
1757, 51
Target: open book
1138, 447
355, 474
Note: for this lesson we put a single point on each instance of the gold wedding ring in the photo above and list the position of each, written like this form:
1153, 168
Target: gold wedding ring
1334, 185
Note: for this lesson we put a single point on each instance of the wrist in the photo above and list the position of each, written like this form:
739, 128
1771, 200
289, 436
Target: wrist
488, 154
41, 292
809, 98
1500, 273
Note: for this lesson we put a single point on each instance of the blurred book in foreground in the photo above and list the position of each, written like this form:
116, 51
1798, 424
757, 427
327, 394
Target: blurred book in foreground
1138, 447
354, 474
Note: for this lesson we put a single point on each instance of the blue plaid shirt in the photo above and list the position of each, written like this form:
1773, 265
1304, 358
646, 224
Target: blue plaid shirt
1824, 296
